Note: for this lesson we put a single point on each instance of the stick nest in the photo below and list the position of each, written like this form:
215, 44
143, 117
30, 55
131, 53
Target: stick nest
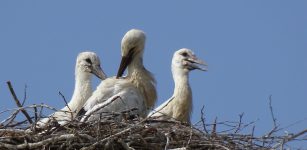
130, 133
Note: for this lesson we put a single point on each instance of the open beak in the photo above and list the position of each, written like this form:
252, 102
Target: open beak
196, 63
99, 72
126, 60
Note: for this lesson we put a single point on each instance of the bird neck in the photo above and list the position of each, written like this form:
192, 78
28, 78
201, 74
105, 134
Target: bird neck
182, 94
144, 81
181, 80
82, 91
136, 65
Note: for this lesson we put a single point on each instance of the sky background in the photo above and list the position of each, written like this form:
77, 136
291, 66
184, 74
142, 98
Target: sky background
254, 49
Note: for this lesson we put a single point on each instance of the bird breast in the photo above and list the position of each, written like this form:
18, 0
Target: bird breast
145, 83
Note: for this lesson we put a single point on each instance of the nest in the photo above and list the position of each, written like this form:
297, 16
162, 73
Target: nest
127, 133
130, 133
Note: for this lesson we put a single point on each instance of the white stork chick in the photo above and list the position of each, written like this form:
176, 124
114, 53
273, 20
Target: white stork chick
87, 63
179, 106
136, 90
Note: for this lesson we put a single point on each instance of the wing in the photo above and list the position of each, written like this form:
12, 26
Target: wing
104, 91
126, 99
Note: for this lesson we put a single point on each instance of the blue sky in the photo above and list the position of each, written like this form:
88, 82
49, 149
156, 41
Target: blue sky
254, 49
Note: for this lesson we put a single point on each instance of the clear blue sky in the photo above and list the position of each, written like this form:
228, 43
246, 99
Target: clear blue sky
254, 49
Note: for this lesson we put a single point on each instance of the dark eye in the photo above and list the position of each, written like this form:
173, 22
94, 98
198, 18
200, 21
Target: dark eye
88, 60
185, 54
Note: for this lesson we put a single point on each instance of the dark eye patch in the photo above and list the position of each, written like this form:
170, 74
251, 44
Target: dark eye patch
185, 54
88, 60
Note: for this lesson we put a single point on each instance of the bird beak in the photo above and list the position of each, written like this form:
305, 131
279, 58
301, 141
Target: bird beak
126, 60
197, 63
99, 72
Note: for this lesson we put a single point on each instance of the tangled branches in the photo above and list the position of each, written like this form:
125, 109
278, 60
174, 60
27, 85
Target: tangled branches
132, 133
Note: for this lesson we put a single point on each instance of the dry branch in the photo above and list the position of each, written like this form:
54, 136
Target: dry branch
18, 102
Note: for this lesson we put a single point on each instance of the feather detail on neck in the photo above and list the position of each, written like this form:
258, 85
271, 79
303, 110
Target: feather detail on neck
144, 81
82, 91
182, 96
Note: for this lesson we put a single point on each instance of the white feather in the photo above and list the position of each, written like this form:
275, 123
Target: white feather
136, 90
83, 88
179, 106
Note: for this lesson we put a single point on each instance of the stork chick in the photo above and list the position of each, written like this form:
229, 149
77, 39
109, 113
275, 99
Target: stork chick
87, 63
179, 106
136, 90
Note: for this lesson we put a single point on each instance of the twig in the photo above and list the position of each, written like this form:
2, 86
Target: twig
272, 113
10, 118
155, 111
35, 114
292, 124
71, 113
213, 133
24, 96
37, 105
251, 140
285, 140
295, 136
112, 136
98, 107
240, 122
248, 124
273, 118
44, 142
16, 124
18, 103
41, 112
190, 137
125, 146
202, 118
167, 141
12, 130
64, 100
224, 147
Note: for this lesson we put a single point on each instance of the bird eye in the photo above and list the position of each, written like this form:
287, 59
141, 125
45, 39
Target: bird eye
185, 54
88, 60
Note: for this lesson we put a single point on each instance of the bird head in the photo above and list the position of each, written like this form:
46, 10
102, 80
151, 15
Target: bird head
89, 62
132, 44
187, 60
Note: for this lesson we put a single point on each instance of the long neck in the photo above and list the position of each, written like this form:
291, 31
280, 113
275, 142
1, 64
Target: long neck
182, 94
136, 65
82, 91
143, 80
